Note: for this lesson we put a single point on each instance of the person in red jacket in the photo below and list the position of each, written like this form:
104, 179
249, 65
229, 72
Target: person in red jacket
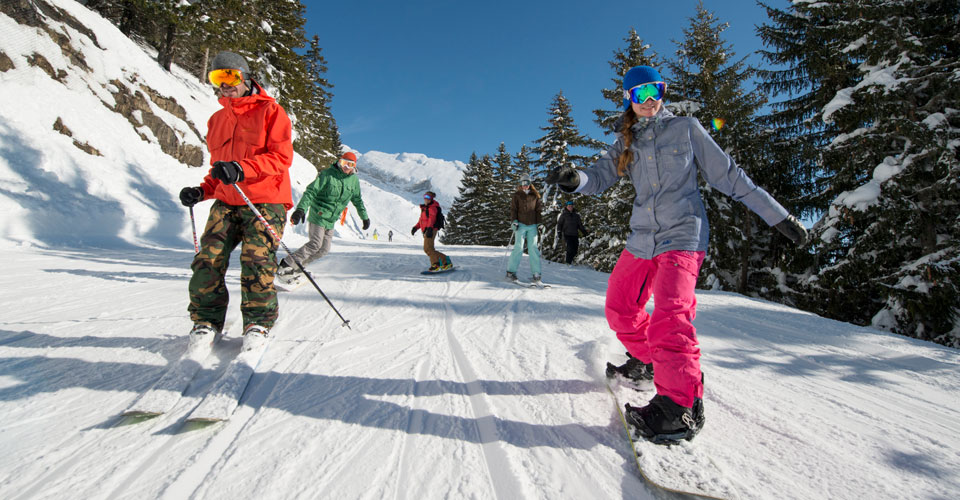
250, 145
429, 212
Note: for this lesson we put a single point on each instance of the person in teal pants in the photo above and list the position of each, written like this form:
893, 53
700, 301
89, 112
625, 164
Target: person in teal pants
525, 208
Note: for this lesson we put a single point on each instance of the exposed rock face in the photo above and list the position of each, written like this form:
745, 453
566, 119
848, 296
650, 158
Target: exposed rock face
132, 100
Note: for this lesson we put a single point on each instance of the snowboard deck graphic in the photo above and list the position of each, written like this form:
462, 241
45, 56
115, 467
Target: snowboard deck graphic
441, 271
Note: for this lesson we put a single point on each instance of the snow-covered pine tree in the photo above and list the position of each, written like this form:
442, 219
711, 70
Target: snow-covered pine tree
608, 215
710, 87
472, 216
890, 241
504, 184
553, 150
318, 139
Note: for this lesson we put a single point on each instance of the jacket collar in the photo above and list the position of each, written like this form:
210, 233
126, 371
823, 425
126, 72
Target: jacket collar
257, 95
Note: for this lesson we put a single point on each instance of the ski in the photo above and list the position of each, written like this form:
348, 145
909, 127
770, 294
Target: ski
165, 393
529, 284
224, 396
679, 468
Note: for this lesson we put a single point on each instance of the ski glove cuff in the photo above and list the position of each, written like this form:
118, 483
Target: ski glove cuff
190, 196
366, 224
297, 216
566, 177
793, 229
228, 172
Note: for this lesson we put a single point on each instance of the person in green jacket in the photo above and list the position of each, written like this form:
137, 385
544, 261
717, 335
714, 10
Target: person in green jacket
324, 199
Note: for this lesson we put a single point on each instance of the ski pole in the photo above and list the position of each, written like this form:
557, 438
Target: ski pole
193, 225
266, 224
513, 235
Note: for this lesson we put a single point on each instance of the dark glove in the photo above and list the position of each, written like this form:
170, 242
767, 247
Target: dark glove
566, 177
413, 231
366, 224
297, 216
428, 232
228, 172
793, 229
190, 196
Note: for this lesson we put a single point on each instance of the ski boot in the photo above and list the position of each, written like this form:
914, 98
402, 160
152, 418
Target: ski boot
202, 337
512, 276
664, 422
535, 280
634, 373
254, 336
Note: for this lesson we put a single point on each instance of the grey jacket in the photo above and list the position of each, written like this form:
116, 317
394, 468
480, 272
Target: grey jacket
668, 212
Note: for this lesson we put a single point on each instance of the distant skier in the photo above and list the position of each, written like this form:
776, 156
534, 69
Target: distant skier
429, 217
376, 235
250, 145
570, 226
321, 205
525, 208
661, 154
390, 235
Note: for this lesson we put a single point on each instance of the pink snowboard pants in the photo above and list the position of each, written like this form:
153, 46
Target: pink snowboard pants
666, 338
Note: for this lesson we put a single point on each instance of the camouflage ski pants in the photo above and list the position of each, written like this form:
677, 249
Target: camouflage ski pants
227, 227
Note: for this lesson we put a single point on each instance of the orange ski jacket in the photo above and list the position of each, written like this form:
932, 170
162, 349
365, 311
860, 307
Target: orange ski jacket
255, 132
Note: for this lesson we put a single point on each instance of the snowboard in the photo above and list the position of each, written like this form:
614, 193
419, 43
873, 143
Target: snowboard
440, 271
680, 468
290, 284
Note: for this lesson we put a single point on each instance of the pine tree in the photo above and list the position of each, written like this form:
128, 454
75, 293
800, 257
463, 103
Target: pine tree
710, 86
890, 241
553, 150
504, 184
473, 214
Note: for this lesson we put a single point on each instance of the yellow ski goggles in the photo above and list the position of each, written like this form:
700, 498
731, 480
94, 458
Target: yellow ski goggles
231, 77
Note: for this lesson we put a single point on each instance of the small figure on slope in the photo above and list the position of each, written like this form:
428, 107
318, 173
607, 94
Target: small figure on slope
525, 208
322, 202
570, 226
662, 154
430, 223
261, 169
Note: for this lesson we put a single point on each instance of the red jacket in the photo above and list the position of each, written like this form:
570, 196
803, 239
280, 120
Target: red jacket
254, 131
428, 215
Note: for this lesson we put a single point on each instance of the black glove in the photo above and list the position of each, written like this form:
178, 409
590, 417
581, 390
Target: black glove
793, 229
428, 232
413, 231
366, 224
228, 172
190, 196
297, 216
566, 177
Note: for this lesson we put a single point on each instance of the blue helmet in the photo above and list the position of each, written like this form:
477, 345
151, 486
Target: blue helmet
638, 75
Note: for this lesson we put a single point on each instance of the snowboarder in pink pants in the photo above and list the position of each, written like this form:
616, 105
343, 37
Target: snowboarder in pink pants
661, 154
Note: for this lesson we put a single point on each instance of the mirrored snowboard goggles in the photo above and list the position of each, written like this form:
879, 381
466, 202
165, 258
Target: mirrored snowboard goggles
347, 163
641, 93
231, 77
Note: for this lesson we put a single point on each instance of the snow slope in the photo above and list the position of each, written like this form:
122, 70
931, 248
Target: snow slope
448, 386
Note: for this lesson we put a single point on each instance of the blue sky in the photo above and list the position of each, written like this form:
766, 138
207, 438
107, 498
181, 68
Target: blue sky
447, 78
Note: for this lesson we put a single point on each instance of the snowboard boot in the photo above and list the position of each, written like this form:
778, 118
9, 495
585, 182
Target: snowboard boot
434, 267
446, 264
512, 276
285, 270
254, 336
202, 337
634, 373
664, 422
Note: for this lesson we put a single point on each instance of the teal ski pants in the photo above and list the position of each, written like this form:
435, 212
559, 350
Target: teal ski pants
528, 233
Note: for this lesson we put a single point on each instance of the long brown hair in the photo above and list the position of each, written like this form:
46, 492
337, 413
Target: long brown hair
628, 119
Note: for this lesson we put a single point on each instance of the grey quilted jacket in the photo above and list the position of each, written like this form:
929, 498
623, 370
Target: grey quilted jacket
668, 214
